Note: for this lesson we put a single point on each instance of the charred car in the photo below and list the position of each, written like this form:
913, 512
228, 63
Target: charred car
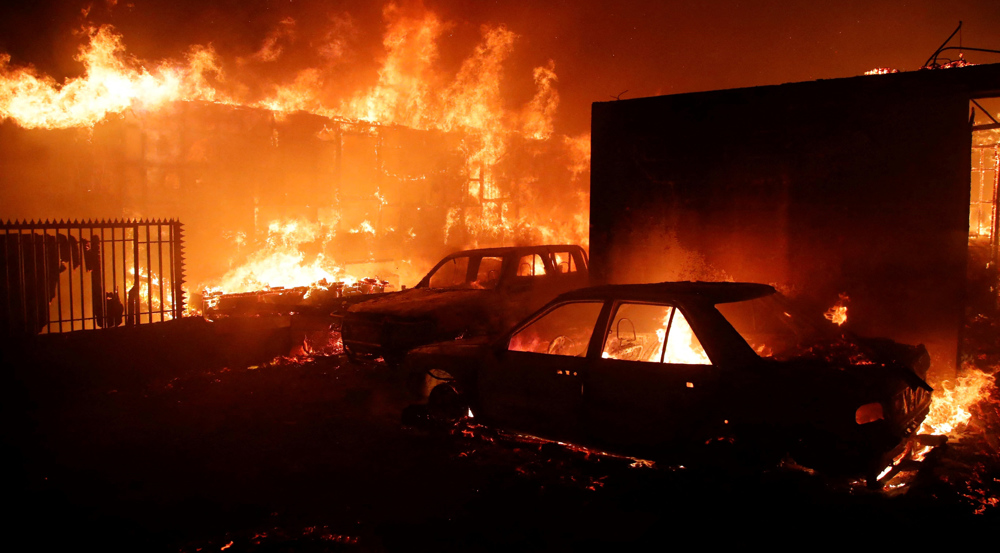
669, 371
471, 293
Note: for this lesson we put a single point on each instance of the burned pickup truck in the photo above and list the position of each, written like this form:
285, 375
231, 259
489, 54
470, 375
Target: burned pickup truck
471, 293
675, 370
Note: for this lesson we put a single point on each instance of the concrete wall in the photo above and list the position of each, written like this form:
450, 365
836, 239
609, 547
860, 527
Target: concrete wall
857, 186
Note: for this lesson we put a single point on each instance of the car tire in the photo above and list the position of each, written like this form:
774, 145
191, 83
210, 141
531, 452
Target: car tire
353, 357
445, 404
756, 447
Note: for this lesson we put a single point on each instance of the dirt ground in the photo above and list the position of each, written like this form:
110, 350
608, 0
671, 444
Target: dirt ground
171, 445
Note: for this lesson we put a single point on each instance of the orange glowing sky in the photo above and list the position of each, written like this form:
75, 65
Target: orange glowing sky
646, 47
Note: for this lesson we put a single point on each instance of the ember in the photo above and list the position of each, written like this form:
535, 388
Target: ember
838, 313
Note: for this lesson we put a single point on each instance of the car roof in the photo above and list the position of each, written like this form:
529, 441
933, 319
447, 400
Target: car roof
499, 252
710, 292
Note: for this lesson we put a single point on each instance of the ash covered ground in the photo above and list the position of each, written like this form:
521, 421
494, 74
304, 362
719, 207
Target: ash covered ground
185, 449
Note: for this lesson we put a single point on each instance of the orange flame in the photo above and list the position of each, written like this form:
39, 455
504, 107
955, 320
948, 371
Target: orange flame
682, 347
838, 313
949, 412
412, 90
111, 83
281, 263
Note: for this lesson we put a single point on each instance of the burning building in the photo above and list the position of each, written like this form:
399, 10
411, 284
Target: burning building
857, 186
297, 185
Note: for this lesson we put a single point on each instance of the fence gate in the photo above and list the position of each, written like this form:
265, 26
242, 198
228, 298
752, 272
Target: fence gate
64, 276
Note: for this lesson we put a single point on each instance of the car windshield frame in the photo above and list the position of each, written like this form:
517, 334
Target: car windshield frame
796, 328
471, 280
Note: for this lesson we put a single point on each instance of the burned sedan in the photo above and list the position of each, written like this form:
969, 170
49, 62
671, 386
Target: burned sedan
660, 370
471, 293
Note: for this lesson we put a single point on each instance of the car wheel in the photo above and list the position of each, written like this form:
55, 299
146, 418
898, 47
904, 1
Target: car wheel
445, 404
354, 357
755, 447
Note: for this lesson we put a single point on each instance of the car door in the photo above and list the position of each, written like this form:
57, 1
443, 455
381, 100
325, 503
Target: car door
652, 383
569, 268
531, 283
534, 383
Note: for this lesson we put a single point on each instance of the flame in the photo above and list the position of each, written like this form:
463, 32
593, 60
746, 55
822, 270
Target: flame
111, 83
949, 411
540, 112
683, 347
406, 78
281, 262
149, 289
539, 266
412, 90
838, 313
881, 71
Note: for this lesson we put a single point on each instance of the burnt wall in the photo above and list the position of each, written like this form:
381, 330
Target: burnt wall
857, 186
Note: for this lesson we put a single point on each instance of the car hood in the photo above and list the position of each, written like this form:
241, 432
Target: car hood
850, 350
418, 302
466, 348
460, 358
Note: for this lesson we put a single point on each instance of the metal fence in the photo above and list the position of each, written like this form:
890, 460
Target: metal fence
65, 276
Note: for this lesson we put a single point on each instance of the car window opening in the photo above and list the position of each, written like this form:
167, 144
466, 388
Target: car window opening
530, 265
478, 273
652, 334
768, 327
563, 262
565, 330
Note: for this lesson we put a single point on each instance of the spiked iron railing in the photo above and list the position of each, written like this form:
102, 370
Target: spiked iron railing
58, 276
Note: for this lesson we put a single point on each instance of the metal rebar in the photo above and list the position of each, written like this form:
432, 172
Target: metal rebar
933, 56
159, 266
43, 250
59, 262
149, 278
134, 300
104, 295
9, 308
69, 277
173, 275
22, 280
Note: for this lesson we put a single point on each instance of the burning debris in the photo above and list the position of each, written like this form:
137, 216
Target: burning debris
319, 297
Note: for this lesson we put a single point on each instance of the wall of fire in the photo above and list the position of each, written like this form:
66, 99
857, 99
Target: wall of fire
383, 193
858, 186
